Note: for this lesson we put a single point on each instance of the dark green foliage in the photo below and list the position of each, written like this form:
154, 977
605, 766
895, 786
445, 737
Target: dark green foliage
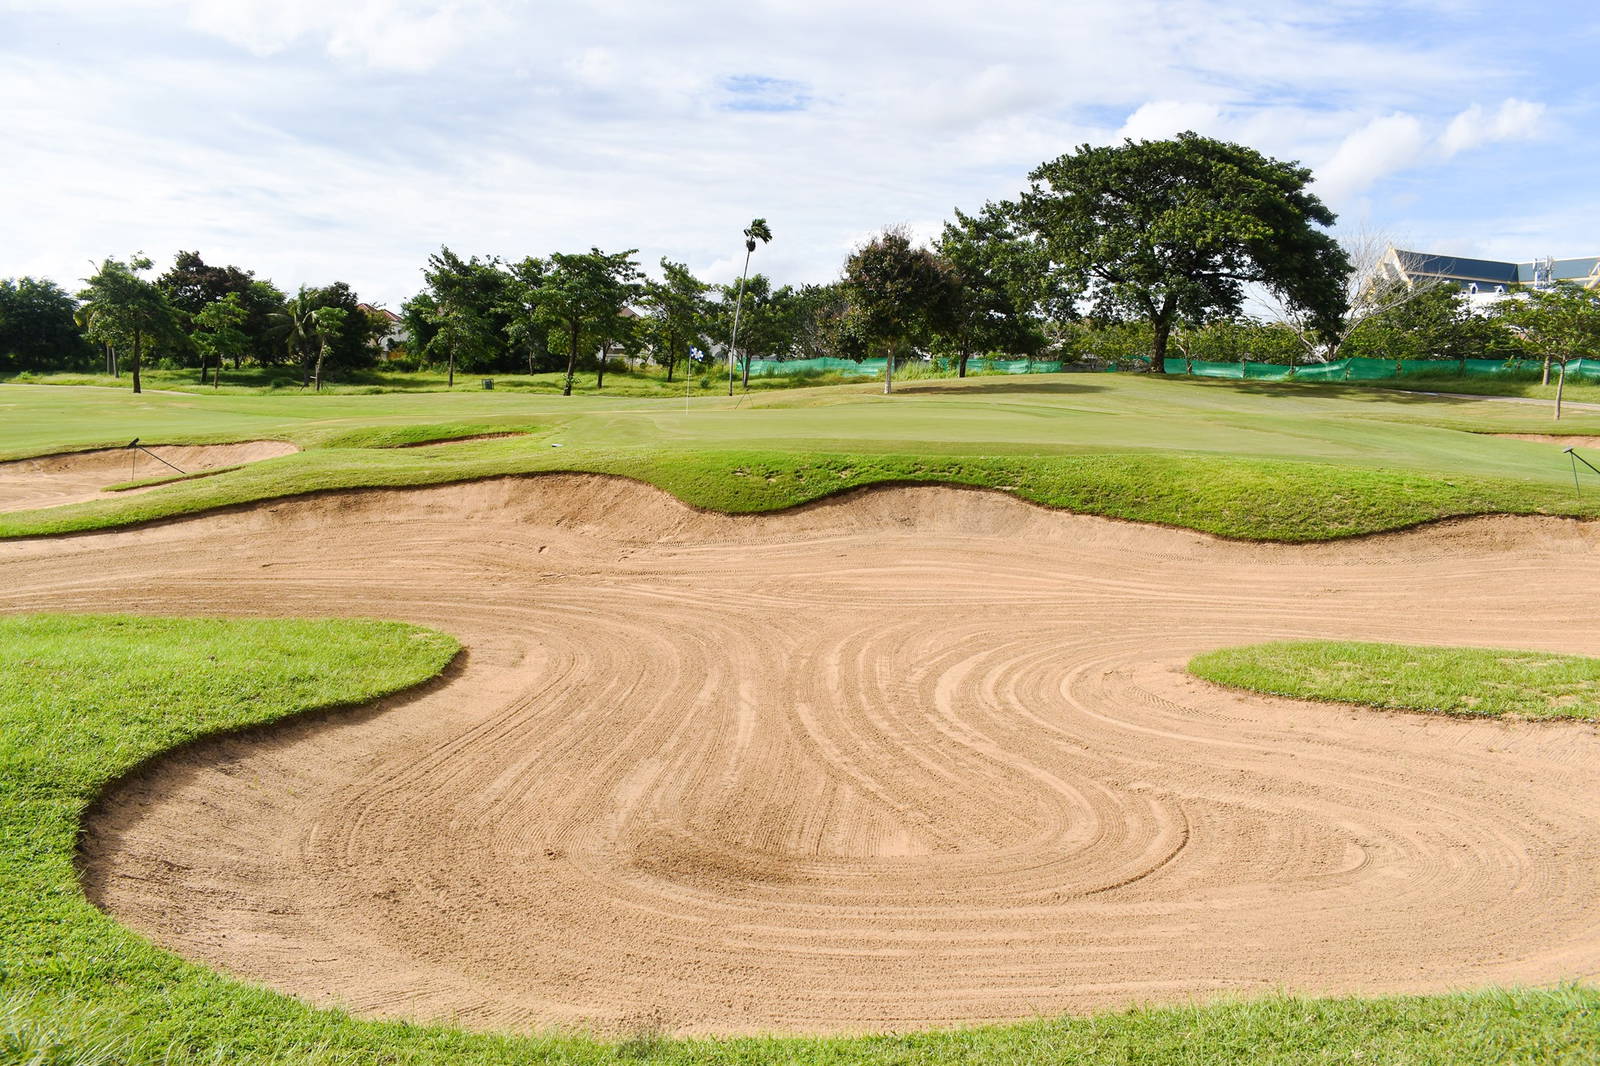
192, 285
38, 330
1002, 288
679, 315
903, 292
122, 310
582, 298
1173, 231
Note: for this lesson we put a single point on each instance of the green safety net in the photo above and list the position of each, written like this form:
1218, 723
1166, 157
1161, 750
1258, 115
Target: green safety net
1340, 370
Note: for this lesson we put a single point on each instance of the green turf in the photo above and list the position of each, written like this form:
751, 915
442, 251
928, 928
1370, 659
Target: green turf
85, 698
1467, 681
1242, 459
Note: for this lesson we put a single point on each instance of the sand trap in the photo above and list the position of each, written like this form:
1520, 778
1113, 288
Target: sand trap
918, 756
50, 480
1554, 438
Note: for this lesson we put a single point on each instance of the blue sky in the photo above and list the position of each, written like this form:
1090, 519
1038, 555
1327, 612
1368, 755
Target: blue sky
346, 139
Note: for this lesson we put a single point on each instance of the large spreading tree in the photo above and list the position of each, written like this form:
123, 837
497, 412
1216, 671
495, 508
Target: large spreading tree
1178, 230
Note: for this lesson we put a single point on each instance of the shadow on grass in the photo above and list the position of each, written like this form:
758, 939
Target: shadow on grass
995, 387
1369, 393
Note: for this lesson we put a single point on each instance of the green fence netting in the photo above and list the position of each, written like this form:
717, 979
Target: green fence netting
1340, 370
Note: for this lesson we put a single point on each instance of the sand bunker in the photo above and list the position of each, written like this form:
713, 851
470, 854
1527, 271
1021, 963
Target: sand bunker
50, 480
918, 756
1560, 440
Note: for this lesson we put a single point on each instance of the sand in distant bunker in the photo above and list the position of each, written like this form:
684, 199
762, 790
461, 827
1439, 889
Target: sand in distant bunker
914, 757
51, 480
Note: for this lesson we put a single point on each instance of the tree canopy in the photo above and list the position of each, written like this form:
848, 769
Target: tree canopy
1175, 230
900, 289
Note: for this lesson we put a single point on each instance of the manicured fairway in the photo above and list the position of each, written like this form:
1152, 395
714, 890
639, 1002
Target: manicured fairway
1240, 459
83, 699
1472, 681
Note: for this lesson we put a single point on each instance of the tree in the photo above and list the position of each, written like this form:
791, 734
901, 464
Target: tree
1559, 324
758, 230
219, 334
678, 313
1002, 283
298, 337
1175, 230
192, 285
296, 325
39, 328
826, 323
900, 290
1374, 290
327, 324
519, 303
123, 308
469, 311
766, 327
583, 294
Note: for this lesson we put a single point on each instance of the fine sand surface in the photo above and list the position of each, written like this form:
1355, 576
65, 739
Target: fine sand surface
51, 480
910, 757
1560, 440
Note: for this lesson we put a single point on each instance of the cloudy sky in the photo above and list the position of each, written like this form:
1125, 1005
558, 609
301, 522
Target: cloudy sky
314, 140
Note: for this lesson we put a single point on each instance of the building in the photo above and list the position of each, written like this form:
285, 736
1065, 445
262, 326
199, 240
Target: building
1487, 280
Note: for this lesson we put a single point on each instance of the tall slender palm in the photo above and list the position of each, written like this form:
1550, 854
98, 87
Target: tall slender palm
757, 231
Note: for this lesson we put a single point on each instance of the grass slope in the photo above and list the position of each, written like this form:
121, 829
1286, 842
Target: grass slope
1468, 681
1241, 459
85, 698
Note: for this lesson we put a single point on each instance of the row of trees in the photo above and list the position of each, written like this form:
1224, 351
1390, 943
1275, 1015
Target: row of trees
194, 314
1120, 253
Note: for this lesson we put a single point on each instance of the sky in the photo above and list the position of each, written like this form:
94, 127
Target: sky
322, 140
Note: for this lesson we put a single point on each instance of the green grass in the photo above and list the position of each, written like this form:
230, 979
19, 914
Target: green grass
1241, 459
1465, 681
85, 698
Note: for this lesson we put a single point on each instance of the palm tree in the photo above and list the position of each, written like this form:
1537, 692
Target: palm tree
757, 231
297, 324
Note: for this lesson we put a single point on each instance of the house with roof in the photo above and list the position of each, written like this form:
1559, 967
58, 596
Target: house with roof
394, 335
1487, 280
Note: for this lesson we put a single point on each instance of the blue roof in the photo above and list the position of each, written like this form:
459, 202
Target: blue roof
1460, 269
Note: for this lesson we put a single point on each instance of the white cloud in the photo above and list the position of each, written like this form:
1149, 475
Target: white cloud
314, 139
1513, 120
1379, 148
1165, 118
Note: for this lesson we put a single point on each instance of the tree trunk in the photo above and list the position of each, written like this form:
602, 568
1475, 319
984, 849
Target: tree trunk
138, 344
888, 371
961, 365
671, 362
1561, 380
572, 362
1158, 359
321, 351
1545, 380
450, 371
600, 370
747, 371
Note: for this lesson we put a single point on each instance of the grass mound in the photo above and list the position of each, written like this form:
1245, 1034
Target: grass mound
1465, 681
